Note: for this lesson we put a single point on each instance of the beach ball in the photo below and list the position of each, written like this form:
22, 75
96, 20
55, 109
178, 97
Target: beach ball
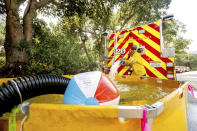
91, 88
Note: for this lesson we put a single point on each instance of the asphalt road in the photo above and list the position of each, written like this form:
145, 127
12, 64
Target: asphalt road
192, 102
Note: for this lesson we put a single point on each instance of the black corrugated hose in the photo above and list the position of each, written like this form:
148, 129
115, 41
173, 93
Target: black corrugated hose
17, 90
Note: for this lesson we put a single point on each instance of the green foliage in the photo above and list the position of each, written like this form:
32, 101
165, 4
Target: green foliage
2, 38
137, 12
23, 44
54, 52
187, 60
180, 44
97, 16
172, 31
60, 48
2, 62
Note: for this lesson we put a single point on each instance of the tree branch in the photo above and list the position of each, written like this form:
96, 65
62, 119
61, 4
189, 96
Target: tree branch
29, 14
132, 12
87, 31
128, 19
43, 3
8, 4
104, 7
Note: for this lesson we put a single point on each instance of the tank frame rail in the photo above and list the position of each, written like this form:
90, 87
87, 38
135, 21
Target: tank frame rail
137, 111
124, 111
130, 111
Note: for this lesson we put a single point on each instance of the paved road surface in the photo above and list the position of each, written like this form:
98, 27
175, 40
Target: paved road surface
192, 103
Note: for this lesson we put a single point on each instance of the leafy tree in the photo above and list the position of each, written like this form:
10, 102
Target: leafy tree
185, 59
172, 33
100, 17
53, 51
138, 12
192, 60
180, 44
92, 18
19, 29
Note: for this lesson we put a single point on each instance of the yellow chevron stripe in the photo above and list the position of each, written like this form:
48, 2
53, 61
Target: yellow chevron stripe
130, 29
135, 43
147, 40
172, 59
112, 51
157, 23
125, 45
126, 67
111, 42
153, 70
152, 31
155, 58
109, 55
126, 56
118, 44
110, 63
123, 70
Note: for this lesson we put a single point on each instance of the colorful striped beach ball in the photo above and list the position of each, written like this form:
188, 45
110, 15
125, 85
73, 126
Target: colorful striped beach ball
91, 88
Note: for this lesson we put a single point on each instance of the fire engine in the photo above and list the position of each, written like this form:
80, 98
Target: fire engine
158, 60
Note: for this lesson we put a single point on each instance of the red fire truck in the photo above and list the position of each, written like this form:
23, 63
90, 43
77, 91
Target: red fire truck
157, 59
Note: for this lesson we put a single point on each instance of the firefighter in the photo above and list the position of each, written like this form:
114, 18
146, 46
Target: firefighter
135, 62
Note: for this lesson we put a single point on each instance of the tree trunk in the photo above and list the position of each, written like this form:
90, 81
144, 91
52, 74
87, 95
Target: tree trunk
19, 34
86, 51
14, 34
28, 31
100, 52
29, 14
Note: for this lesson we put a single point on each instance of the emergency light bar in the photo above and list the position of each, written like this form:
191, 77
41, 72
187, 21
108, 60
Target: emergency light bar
168, 17
170, 76
105, 34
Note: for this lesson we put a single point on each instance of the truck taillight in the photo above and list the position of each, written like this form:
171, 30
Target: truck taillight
105, 34
170, 68
170, 72
170, 76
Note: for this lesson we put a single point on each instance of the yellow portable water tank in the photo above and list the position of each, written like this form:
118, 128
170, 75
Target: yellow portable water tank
169, 113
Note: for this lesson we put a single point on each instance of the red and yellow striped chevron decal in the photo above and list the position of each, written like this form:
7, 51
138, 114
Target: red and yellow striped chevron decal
148, 36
